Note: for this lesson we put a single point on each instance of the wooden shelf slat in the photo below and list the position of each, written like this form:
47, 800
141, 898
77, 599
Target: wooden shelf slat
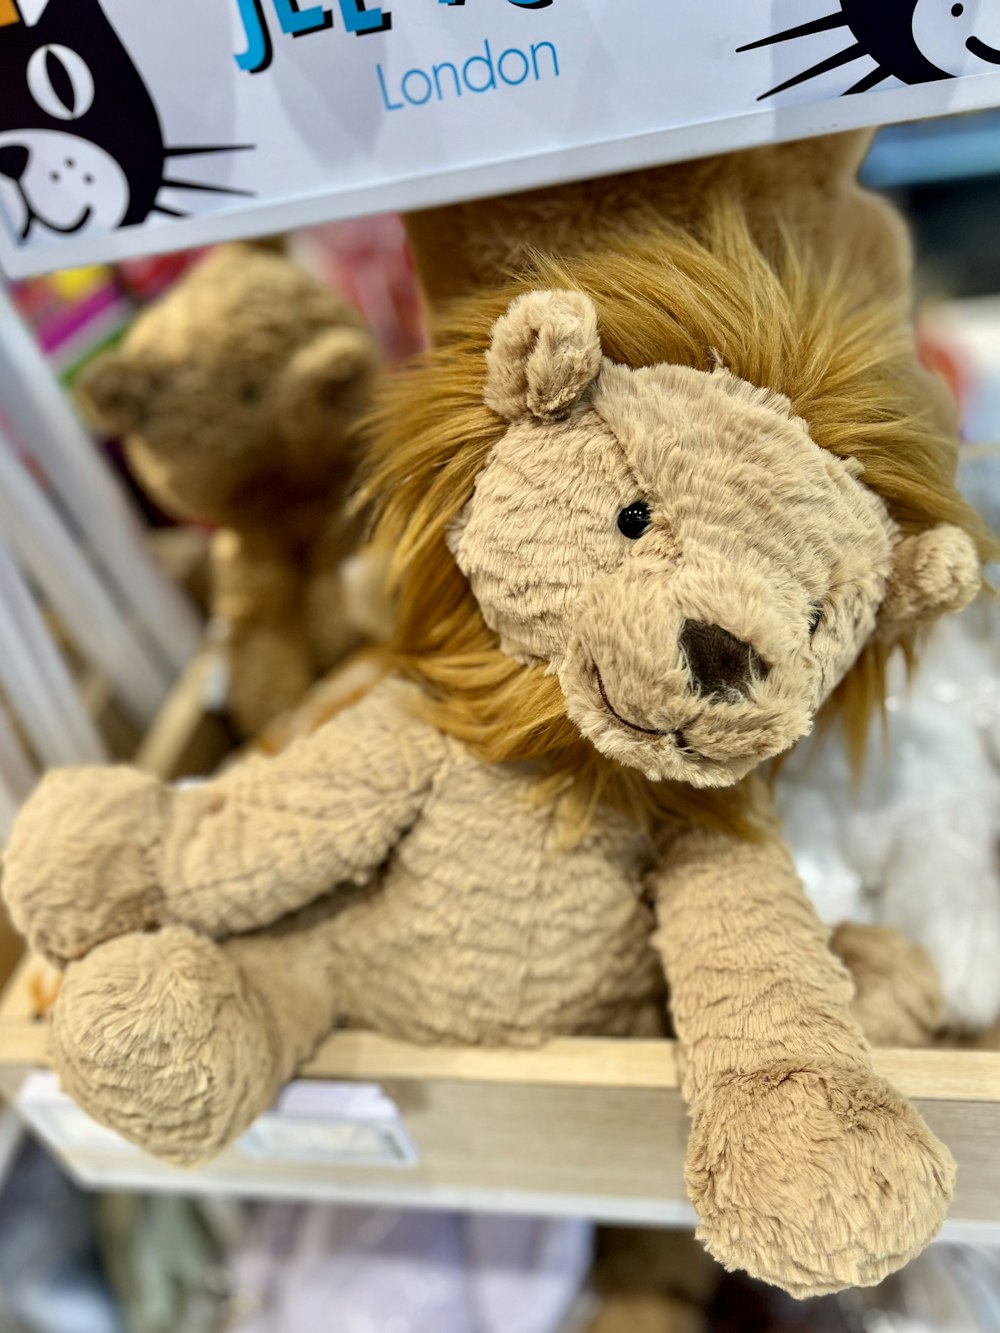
929, 1075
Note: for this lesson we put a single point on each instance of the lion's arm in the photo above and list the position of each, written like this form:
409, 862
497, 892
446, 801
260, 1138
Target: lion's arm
753, 982
273, 834
98, 852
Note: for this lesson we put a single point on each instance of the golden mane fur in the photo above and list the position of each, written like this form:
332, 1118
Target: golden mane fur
845, 360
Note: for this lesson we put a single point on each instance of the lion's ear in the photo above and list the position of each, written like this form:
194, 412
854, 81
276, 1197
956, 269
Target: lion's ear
933, 573
545, 352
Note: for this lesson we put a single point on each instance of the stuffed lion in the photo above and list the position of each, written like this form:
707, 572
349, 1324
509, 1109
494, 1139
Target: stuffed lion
655, 502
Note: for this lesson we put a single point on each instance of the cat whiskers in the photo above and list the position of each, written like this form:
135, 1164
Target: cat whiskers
204, 187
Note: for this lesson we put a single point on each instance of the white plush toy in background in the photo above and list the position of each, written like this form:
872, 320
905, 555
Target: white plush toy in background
916, 845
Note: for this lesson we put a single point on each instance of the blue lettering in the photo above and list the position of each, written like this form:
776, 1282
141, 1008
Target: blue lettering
478, 74
521, 4
540, 46
389, 106
258, 54
298, 22
514, 51
417, 101
359, 20
486, 60
437, 79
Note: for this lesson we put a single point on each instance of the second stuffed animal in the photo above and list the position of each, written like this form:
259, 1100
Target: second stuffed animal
238, 396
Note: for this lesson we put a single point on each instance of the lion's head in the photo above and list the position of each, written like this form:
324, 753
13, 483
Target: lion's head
662, 504
670, 543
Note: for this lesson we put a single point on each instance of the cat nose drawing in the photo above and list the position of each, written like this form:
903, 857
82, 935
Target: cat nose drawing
718, 662
13, 161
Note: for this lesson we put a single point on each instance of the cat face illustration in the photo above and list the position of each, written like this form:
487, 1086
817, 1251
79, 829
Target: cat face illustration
81, 146
959, 38
914, 41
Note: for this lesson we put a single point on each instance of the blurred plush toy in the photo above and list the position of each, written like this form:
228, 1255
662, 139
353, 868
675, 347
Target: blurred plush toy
650, 1281
653, 500
916, 845
238, 395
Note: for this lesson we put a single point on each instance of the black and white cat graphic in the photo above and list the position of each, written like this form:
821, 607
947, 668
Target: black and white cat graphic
81, 145
914, 41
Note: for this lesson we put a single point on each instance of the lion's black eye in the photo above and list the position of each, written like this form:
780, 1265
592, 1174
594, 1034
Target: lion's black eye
815, 618
634, 519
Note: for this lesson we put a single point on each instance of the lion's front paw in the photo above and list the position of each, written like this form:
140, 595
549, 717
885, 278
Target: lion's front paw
814, 1179
160, 1037
80, 864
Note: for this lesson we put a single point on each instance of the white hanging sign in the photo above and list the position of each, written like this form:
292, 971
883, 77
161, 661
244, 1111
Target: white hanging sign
129, 126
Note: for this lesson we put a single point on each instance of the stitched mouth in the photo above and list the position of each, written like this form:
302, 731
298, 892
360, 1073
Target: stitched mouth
676, 732
984, 52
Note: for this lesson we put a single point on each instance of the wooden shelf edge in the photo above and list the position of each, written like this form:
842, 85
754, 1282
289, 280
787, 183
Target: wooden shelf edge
567, 1061
927, 1075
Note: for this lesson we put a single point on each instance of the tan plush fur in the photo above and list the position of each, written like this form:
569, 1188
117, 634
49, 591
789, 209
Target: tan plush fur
645, 1312
897, 997
850, 1199
179, 1037
809, 187
752, 528
503, 846
238, 395
650, 1282
773, 261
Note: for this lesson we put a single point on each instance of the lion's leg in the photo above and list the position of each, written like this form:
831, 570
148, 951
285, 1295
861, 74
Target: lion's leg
807, 1169
178, 1042
897, 996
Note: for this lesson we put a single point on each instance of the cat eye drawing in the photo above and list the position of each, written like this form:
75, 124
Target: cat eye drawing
82, 148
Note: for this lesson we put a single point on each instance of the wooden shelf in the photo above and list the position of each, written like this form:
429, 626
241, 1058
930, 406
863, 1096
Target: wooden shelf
579, 1126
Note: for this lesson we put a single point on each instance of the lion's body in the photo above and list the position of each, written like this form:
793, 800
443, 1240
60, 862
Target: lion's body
486, 926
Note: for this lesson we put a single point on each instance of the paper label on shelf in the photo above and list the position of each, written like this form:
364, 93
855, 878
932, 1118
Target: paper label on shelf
126, 128
348, 1123
353, 1124
63, 1124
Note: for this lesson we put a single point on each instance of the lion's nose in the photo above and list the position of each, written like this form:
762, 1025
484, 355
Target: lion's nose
718, 662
